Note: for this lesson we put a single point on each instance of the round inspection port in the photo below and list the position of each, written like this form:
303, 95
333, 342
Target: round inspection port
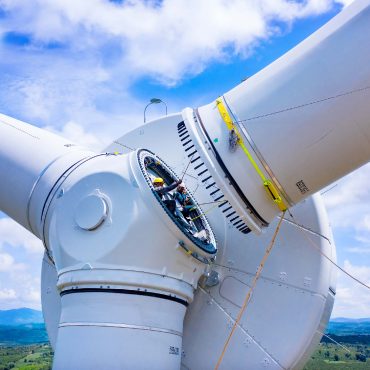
188, 217
91, 212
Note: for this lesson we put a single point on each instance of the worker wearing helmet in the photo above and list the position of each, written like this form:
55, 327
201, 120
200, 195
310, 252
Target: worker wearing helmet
191, 214
183, 198
158, 182
163, 192
189, 209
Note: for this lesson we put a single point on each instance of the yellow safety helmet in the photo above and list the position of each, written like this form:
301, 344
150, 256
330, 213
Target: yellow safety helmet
158, 180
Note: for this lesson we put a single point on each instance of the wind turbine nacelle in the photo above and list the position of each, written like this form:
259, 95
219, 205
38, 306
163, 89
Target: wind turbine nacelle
126, 270
123, 260
124, 266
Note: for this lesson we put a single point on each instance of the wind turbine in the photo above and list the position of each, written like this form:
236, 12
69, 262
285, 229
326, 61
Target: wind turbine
126, 285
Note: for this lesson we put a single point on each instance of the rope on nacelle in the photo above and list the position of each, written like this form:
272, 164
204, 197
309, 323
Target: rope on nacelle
247, 298
334, 341
317, 247
287, 109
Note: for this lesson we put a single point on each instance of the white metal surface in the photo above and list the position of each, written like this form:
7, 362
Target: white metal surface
117, 331
122, 273
294, 298
91, 212
305, 117
287, 307
32, 160
50, 299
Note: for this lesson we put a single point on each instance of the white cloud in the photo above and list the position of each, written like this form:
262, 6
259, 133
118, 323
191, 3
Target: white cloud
358, 250
83, 57
27, 288
352, 299
350, 189
167, 40
344, 2
360, 272
74, 132
12, 234
19, 289
351, 302
7, 294
348, 203
348, 207
6, 262
69, 97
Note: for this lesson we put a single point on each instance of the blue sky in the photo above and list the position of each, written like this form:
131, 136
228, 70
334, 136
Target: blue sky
86, 70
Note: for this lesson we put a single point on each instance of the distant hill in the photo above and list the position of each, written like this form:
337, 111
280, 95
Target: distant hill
345, 326
20, 316
25, 325
344, 319
23, 334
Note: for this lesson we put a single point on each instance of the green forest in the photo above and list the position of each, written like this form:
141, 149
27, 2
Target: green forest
332, 356
29, 357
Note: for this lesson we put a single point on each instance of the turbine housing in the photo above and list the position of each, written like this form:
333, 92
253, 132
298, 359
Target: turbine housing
126, 270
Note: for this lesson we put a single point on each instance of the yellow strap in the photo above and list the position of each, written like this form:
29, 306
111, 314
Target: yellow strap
268, 185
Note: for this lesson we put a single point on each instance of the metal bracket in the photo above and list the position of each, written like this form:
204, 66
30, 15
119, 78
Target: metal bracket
212, 279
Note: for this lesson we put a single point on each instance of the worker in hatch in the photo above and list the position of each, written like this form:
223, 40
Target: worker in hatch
184, 200
188, 207
163, 192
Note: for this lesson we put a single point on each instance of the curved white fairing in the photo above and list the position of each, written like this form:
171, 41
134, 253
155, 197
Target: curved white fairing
32, 160
296, 291
128, 278
305, 118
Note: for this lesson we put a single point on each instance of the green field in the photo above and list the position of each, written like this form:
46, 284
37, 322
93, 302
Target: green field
326, 356
332, 356
355, 355
31, 357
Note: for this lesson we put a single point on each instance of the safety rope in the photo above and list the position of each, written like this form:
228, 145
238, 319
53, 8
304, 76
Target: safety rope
334, 341
268, 185
312, 243
317, 247
186, 169
124, 146
350, 92
203, 213
247, 298
217, 202
214, 202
